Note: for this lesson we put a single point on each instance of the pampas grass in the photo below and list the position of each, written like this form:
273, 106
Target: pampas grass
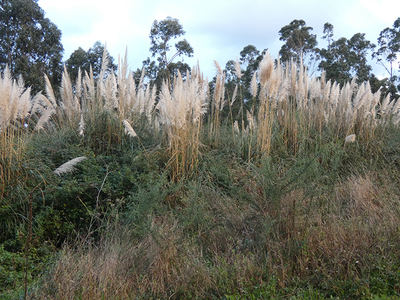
15, 113
82, 104
128, 129
286, 102
292, 104
15, 100
69, 166
181, 111
270, 83
350, 139
218, 103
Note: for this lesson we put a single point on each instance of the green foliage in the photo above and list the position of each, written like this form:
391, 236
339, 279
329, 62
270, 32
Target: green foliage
387, 55
30, 44
298, 41
343, 59
147, 202
162, 33
81, 59
250, 59
231, 207
11, 269
13, 266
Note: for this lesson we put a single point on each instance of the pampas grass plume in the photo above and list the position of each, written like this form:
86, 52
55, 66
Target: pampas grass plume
254, 85
69, 166
128, 129
350, 139
82, 126
238, 70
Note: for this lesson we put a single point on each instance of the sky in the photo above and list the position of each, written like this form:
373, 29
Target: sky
216, 29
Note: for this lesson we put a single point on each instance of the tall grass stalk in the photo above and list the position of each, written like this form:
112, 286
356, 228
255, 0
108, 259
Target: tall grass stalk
83, 104
270, 80
292, 104
217, 105
180, 114
16, 108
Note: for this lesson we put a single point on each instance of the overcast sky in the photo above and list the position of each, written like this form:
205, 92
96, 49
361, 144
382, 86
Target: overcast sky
217, 30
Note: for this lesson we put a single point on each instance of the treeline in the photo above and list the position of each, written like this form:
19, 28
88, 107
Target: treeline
30, 45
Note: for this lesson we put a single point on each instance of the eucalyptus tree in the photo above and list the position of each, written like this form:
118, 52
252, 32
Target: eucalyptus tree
388, 54
299, 42
345, 58
81, 59
30, 43
165, 49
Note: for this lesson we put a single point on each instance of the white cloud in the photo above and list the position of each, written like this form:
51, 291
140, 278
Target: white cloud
215, 29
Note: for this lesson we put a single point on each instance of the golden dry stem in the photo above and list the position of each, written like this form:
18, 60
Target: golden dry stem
181, 111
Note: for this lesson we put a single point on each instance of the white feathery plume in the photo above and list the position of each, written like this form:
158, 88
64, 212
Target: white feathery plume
24, 104
254, 85
234, 95
81, 126
44, 118
265, 69
128, 129
219, 69
250, 120
89, 87
238, 70
49, 92
350, 139
78, 84
69, 166
385, 104
236, 127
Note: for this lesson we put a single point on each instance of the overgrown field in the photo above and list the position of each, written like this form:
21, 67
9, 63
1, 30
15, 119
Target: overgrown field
112, 189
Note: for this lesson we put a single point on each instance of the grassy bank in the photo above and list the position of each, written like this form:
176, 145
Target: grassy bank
192, 194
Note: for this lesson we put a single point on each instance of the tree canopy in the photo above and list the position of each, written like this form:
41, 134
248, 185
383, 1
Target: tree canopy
298, 41
345, 58
162, 34
388, 54
30, 44
84, 59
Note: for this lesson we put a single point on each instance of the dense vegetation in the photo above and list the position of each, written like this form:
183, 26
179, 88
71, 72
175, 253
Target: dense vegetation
265, 183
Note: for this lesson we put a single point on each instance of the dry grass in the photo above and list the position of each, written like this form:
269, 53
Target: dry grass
237, 244
160, 264
338, 241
